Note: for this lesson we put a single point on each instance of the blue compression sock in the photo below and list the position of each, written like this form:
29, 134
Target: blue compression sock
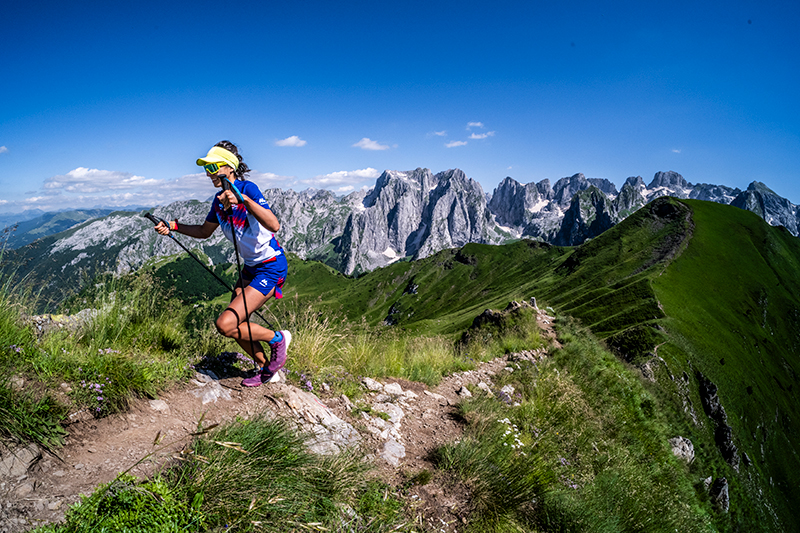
277, 338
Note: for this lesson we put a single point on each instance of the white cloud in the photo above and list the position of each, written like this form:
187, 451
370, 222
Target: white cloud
453, 144
341, 178
270, 180
86, 188
482, 135
369, 144
442, 133
3, 149
676, 151
474, 125
91, 180
294, 140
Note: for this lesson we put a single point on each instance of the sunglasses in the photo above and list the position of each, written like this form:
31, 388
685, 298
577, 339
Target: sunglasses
213, 168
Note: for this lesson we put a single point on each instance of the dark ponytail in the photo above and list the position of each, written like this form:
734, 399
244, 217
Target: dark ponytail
243, 170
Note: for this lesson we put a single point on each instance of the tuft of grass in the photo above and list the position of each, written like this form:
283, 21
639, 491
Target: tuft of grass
126, 505
258, 475
25, 416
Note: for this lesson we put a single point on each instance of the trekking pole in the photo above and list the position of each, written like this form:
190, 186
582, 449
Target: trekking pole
224, 283
228, 186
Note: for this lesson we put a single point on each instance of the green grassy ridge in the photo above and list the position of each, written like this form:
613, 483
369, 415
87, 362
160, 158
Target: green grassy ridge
453, 286
733, 306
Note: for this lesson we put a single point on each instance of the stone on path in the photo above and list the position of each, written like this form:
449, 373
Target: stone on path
372, 385
160, 406
393, 388
392, 452
15, 463
331, 433
464, 392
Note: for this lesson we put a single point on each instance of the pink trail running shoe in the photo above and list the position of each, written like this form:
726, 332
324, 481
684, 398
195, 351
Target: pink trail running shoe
270, 373
265, 376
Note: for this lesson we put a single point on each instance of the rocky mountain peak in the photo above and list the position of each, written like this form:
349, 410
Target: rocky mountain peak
757, 186
670, 180
636, 182
394, 183
565, 188
764, 202
608, 188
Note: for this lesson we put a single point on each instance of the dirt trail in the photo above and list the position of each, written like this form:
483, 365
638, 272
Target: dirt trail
96, 450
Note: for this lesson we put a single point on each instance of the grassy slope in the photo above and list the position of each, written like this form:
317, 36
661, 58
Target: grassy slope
733, 304
453, 286
712, 282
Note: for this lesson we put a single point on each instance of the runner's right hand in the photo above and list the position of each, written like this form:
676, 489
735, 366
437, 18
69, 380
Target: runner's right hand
162, 228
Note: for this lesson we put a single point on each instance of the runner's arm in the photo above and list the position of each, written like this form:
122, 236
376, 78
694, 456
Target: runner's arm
203, 231
264, 216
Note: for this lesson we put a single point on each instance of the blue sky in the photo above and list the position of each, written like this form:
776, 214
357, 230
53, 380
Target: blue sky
110, 104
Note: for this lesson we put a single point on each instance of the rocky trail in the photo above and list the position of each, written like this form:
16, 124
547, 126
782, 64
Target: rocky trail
399, 422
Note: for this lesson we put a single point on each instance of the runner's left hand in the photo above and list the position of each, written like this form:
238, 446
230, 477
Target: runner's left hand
228, 199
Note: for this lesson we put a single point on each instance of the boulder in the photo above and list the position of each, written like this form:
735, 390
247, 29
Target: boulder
16, 462
723, 433
392, 452
330, 433
719, 494
682, 448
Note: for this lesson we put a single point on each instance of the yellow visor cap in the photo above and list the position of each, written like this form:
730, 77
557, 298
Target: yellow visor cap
219, 154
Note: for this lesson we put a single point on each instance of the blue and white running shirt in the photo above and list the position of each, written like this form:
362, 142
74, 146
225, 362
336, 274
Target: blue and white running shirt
257, 244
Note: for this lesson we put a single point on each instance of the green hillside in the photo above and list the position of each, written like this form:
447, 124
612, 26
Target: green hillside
712, 289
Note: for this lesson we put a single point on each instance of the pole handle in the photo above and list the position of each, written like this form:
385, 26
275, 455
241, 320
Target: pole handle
155, 220
228, 186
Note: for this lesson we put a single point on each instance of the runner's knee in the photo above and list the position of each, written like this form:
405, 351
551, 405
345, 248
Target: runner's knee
227, 323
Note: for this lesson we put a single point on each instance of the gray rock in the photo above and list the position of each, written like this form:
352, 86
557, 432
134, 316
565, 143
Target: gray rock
464, 392
17, 383
590, 213
24, 490
723, 433
393, 388
211, 392
392, 451
436, 396
330, 434
395, 413
347, 403
775, 210
16, 462
415, 214
160, 406
372, 385
719, 494
682, 448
